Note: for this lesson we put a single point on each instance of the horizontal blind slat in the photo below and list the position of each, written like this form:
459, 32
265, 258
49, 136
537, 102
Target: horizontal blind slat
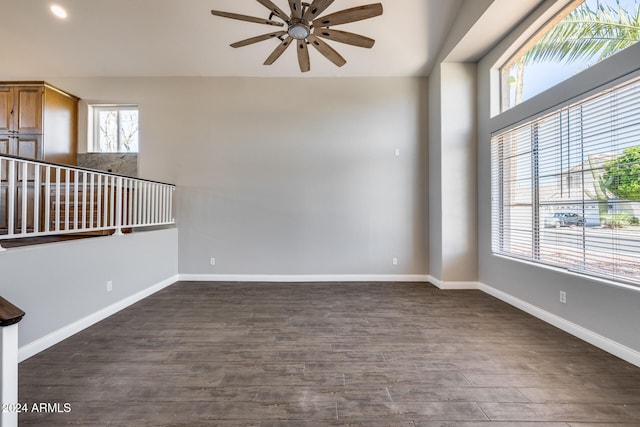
552, 195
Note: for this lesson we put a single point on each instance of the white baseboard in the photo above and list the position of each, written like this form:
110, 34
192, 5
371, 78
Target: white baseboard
450, 285
310, 278
61, 334
628, 354
623, 352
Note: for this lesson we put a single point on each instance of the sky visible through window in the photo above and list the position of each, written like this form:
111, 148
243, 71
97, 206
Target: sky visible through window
539, 76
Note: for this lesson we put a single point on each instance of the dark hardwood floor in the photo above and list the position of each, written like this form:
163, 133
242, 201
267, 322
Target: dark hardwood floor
339, 354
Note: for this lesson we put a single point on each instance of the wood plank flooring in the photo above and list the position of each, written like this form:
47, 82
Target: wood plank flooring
327, 354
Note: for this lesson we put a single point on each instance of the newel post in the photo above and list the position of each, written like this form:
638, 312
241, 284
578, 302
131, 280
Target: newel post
10, 315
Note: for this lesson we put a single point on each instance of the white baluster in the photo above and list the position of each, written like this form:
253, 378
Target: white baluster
136, 206
119, 211
11, 212
47, 199
36, 198
145, 205
84, 200
112, 191
57, 216
67, 194
76, 208
154, 204
25, 197
99, 202
92, 202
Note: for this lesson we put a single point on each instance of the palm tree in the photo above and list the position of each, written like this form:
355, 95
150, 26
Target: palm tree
586, 34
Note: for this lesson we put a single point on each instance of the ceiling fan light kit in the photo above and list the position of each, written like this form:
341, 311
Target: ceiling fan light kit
305, 26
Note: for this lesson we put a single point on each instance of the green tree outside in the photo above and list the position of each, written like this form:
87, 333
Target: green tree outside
622, 174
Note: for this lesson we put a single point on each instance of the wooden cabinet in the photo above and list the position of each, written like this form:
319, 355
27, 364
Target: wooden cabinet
27, 109
6, 102
21, 110
37, 121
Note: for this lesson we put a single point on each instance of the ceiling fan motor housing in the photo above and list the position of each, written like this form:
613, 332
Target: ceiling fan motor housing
299, 29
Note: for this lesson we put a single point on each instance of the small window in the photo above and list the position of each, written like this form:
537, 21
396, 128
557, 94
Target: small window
583, 34
115, 129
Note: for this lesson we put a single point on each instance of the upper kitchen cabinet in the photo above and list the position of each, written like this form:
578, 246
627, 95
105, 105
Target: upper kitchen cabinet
41, 117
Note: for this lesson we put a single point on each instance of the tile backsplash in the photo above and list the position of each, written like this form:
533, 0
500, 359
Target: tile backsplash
118, 163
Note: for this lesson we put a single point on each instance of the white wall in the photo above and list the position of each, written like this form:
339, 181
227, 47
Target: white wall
285, 176
274, 177
458, 151
62, 284
453, 223
452, 174
435, 173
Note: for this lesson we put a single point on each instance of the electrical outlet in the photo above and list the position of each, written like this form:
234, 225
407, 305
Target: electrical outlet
563, 297
109, 286
395, 261
212, 261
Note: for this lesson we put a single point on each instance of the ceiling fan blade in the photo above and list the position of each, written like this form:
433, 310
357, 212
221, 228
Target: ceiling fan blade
296, 8
316, 8
278, 51
246, 18
257, 39
275, 9
327, 51
345, 37
303, 56
349, 15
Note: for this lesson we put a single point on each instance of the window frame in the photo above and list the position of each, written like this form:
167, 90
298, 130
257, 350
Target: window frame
94, 111
547, 20
511, 238
604, 75
523, 48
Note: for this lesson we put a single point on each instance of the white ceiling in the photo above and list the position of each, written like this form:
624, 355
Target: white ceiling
118, 38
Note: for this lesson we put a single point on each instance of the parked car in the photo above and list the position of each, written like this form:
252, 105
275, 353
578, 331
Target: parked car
564, 219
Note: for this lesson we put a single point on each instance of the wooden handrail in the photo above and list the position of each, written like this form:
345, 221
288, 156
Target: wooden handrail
9, 313
80, 168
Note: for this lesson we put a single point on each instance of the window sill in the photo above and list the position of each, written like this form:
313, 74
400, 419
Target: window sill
581, 276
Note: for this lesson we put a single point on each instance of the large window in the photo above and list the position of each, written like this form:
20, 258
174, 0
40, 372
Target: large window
566, 187
583, 34
115, 129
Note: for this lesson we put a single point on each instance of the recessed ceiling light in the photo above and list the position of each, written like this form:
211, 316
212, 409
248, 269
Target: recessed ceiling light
58, 11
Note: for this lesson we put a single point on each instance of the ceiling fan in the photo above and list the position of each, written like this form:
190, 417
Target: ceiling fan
304, 26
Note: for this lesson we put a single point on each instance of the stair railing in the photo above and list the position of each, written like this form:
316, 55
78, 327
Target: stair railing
42, 199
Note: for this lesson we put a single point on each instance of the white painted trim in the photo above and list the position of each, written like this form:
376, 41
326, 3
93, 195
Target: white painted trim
434, 281
447, 285
9, 374
304, 278
459, 285
623, 352
61, 334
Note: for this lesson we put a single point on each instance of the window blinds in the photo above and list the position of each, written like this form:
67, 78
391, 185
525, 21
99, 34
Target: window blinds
566, 187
